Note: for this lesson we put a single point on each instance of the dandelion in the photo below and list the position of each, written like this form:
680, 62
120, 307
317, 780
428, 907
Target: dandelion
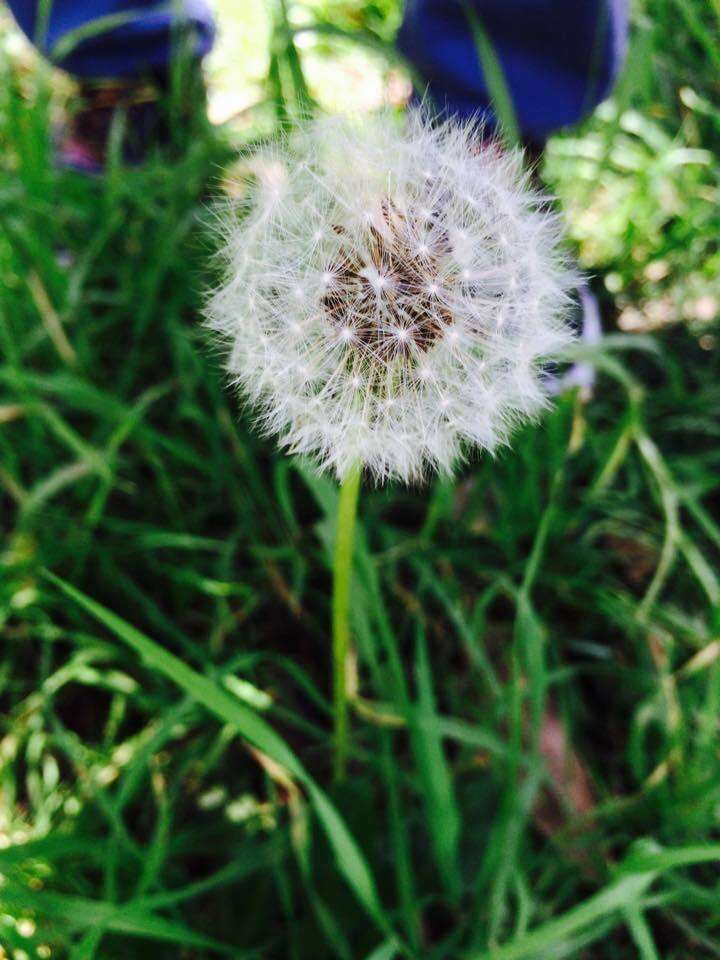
391, 295
392, 290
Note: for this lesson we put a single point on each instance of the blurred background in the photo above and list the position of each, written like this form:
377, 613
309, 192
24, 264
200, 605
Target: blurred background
535, 768
342, 74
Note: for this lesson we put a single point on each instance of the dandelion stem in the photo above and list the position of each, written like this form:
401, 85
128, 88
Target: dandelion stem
342, 576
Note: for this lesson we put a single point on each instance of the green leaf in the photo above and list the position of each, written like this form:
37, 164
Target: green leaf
500, 95
615, 897
84, 914
661, 860
387, 950
621, 897
641, 934
350, 861
426, 735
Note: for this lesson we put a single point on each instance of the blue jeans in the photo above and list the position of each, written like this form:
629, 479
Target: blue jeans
560, 57
133, 36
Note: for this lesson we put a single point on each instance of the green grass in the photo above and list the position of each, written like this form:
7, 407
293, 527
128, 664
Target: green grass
166, 779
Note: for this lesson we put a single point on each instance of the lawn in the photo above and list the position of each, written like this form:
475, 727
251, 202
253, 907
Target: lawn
535, 762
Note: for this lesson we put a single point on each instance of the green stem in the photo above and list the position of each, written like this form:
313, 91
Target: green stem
342, 575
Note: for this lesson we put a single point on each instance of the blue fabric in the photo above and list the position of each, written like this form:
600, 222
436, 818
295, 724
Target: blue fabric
560, 57
142, 44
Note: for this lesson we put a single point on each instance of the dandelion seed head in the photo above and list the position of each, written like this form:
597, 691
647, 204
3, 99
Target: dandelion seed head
391, 293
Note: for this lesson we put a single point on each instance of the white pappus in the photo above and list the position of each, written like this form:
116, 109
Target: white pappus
391, 291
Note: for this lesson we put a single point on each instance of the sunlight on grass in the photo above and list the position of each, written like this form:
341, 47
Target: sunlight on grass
342, 74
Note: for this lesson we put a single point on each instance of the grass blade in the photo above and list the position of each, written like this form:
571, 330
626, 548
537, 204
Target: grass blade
84, 914
615, 897
350, 861
443, 817
494, 75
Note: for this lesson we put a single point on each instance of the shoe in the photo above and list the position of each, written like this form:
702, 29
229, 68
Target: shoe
153, 118
83, 143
